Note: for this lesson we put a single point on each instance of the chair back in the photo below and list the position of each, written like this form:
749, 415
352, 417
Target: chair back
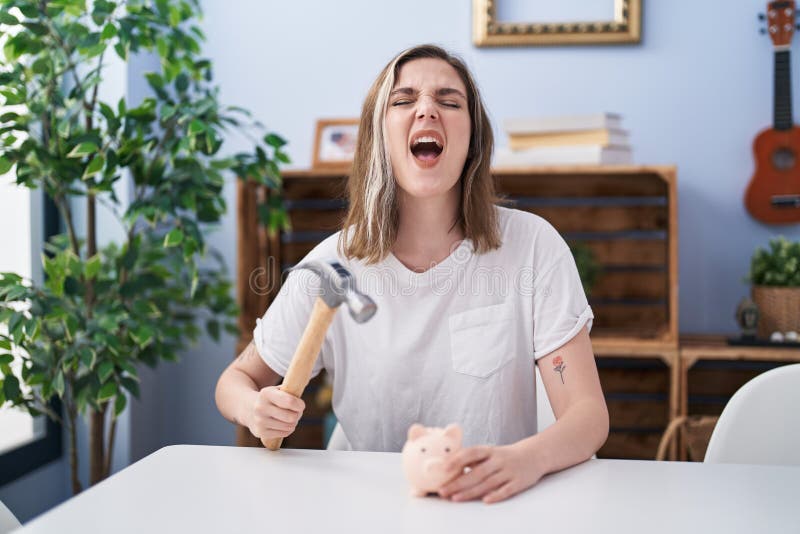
761, 422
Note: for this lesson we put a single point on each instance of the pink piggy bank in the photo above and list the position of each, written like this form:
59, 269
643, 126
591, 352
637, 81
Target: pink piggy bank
424, 454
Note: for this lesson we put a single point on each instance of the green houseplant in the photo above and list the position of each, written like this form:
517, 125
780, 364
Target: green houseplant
102, 310
775, 278
585, 261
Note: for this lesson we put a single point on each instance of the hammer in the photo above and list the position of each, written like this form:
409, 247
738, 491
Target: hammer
337, 287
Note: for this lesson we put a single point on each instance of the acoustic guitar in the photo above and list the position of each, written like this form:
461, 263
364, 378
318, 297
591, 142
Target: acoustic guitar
773, 194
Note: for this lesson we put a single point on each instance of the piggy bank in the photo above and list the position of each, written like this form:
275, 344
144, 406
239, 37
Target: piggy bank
424, 454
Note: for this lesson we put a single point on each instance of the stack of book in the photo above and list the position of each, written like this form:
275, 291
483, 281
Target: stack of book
576, 139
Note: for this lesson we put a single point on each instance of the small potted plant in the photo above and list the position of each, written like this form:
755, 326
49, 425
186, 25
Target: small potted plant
775, 278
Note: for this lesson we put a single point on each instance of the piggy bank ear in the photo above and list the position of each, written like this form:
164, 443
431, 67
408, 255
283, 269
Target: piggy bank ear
453, 431
416, 431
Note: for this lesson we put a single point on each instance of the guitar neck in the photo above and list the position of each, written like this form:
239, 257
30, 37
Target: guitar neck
782, 112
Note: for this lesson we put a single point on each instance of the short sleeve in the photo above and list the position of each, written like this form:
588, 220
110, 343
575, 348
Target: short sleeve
560, 308
278, 332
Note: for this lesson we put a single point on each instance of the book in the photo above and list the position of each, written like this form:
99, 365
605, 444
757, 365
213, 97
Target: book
563, 155
564, 123
603, 136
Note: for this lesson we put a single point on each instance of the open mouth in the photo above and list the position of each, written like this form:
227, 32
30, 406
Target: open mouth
427, 149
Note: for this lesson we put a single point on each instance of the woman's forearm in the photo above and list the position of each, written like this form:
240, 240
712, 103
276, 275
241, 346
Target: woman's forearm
235, 395
574, 438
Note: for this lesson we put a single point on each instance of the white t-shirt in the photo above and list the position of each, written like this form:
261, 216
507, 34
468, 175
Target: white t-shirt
455, 344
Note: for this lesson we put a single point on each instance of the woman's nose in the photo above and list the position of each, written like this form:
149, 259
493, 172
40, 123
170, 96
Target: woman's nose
426, 108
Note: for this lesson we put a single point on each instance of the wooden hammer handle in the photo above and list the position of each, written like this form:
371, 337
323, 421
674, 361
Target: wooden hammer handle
299, 372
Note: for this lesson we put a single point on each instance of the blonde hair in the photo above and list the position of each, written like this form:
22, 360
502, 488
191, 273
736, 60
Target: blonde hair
370, 227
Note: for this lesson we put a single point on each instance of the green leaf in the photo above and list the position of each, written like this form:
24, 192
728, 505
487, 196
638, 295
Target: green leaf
131, 385
88, 357
5, 164
274, 140
92, 266
105, 370
6, 359
142, 335
212, 327
5, 344
107, 391
182, 82
122, 51
174, 16
173, 238
197, 126
11, 387
94, 167
83, 149
119, 404
8, 19
109, 31
58, 383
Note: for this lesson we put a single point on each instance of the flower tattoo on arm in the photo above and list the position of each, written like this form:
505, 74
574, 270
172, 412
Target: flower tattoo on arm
559, 366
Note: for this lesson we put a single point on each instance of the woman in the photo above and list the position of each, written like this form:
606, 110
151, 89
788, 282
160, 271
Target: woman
470, 297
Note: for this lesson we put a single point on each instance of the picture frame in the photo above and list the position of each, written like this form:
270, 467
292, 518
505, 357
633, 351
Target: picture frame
625, 28
335, 144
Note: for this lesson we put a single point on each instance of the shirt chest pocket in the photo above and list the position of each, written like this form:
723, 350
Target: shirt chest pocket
482, 339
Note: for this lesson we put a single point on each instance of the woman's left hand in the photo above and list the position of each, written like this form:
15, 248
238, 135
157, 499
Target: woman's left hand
495, 473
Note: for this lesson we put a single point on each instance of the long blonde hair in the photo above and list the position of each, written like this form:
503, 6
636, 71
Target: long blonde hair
370, 228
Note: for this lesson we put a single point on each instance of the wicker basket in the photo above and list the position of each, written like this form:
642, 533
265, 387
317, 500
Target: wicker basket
779, 309
696, 429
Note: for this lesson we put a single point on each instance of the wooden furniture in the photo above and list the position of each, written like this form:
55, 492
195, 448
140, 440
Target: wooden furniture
720, 382
627, 215
202, 489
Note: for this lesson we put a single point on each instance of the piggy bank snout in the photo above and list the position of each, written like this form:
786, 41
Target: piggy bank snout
433, 466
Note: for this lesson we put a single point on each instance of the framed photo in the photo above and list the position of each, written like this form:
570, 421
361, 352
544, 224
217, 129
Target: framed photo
335, 143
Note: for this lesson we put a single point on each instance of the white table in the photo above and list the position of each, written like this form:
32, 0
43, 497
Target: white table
199, 489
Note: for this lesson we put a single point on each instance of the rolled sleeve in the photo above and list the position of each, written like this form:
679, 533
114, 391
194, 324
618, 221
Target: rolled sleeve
278, 332
560, 307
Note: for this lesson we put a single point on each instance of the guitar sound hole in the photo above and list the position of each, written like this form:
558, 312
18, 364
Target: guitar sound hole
783, 159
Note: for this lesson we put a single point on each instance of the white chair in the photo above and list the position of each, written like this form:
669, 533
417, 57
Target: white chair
544, 418
7, 520
761, 422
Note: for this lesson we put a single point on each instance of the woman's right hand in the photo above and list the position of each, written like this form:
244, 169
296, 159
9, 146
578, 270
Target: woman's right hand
275, 413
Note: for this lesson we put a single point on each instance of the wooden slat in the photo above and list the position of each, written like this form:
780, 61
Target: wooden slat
648, 318
628, 380
630, 285
319, 187
628, 445
629, 252
580, 185
638, 413
305, 220
602, 218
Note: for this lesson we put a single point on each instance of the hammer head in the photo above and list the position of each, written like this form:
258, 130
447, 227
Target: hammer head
338, 286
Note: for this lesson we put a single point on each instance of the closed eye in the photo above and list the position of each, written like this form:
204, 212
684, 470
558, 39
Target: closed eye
453, 105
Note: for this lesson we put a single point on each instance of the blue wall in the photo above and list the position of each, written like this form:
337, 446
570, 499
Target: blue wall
693, 93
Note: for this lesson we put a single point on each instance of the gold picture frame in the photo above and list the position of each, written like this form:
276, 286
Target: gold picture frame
488, 31
334, 144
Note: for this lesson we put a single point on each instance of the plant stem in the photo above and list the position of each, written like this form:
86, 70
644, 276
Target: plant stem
96, 437
73, 446
62, 203
110, 448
